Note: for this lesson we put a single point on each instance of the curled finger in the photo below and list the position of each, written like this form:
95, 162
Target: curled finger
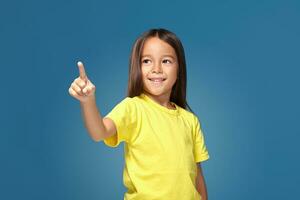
76, 88
81, 83
73, 93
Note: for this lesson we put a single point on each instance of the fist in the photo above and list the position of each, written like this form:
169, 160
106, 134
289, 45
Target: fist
82, 88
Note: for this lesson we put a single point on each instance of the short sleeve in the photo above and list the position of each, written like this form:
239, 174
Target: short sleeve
124, 117
200, 150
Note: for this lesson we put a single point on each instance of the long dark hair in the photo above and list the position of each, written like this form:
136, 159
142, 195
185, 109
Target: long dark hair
135, 83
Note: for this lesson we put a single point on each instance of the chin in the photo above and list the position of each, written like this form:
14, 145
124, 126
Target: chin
155, 92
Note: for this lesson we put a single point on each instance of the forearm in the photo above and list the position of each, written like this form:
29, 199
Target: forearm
201, 187
200, 183
92, 119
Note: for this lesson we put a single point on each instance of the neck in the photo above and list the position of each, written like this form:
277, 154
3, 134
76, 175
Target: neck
163, 100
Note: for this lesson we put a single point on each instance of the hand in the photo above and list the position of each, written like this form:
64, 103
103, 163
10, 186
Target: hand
82, 88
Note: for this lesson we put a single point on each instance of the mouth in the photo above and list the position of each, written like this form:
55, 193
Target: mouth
157, 80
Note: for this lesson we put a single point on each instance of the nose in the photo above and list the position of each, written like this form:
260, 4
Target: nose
156, 68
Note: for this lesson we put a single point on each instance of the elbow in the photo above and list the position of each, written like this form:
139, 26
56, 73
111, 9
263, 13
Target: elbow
96, 137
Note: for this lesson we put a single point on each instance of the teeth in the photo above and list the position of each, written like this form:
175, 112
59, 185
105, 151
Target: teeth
156, 80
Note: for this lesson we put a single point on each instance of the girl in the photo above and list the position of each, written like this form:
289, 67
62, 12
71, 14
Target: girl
164, 143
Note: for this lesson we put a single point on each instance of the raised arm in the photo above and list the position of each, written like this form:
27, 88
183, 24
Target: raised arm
84, 90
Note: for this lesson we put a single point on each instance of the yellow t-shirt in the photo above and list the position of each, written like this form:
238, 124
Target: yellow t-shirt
161, 149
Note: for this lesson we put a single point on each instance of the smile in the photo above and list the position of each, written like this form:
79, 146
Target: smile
156, 80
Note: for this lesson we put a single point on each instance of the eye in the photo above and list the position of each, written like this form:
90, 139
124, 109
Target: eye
167, 61
146, 61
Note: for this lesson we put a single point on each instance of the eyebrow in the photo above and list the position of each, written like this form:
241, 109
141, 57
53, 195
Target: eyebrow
166, 55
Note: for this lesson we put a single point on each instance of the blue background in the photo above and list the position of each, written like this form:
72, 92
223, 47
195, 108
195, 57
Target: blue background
243, 83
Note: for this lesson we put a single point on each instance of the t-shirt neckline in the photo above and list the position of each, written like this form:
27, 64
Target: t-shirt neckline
157, 105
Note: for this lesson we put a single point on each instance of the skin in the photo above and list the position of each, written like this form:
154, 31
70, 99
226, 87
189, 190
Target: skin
83, 90
159, 60
200, 183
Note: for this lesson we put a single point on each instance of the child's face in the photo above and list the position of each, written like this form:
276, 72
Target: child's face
159, 67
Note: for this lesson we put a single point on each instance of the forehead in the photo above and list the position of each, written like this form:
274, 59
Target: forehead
157, 47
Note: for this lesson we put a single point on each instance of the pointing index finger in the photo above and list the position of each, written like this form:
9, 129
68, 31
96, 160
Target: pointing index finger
82, 73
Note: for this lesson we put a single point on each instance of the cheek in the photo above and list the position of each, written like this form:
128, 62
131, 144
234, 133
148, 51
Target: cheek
173, 72
143, 73
144, 76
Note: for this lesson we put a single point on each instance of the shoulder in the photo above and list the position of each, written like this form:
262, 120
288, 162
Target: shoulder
128, 103
133, 101
188, 115
190, 118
